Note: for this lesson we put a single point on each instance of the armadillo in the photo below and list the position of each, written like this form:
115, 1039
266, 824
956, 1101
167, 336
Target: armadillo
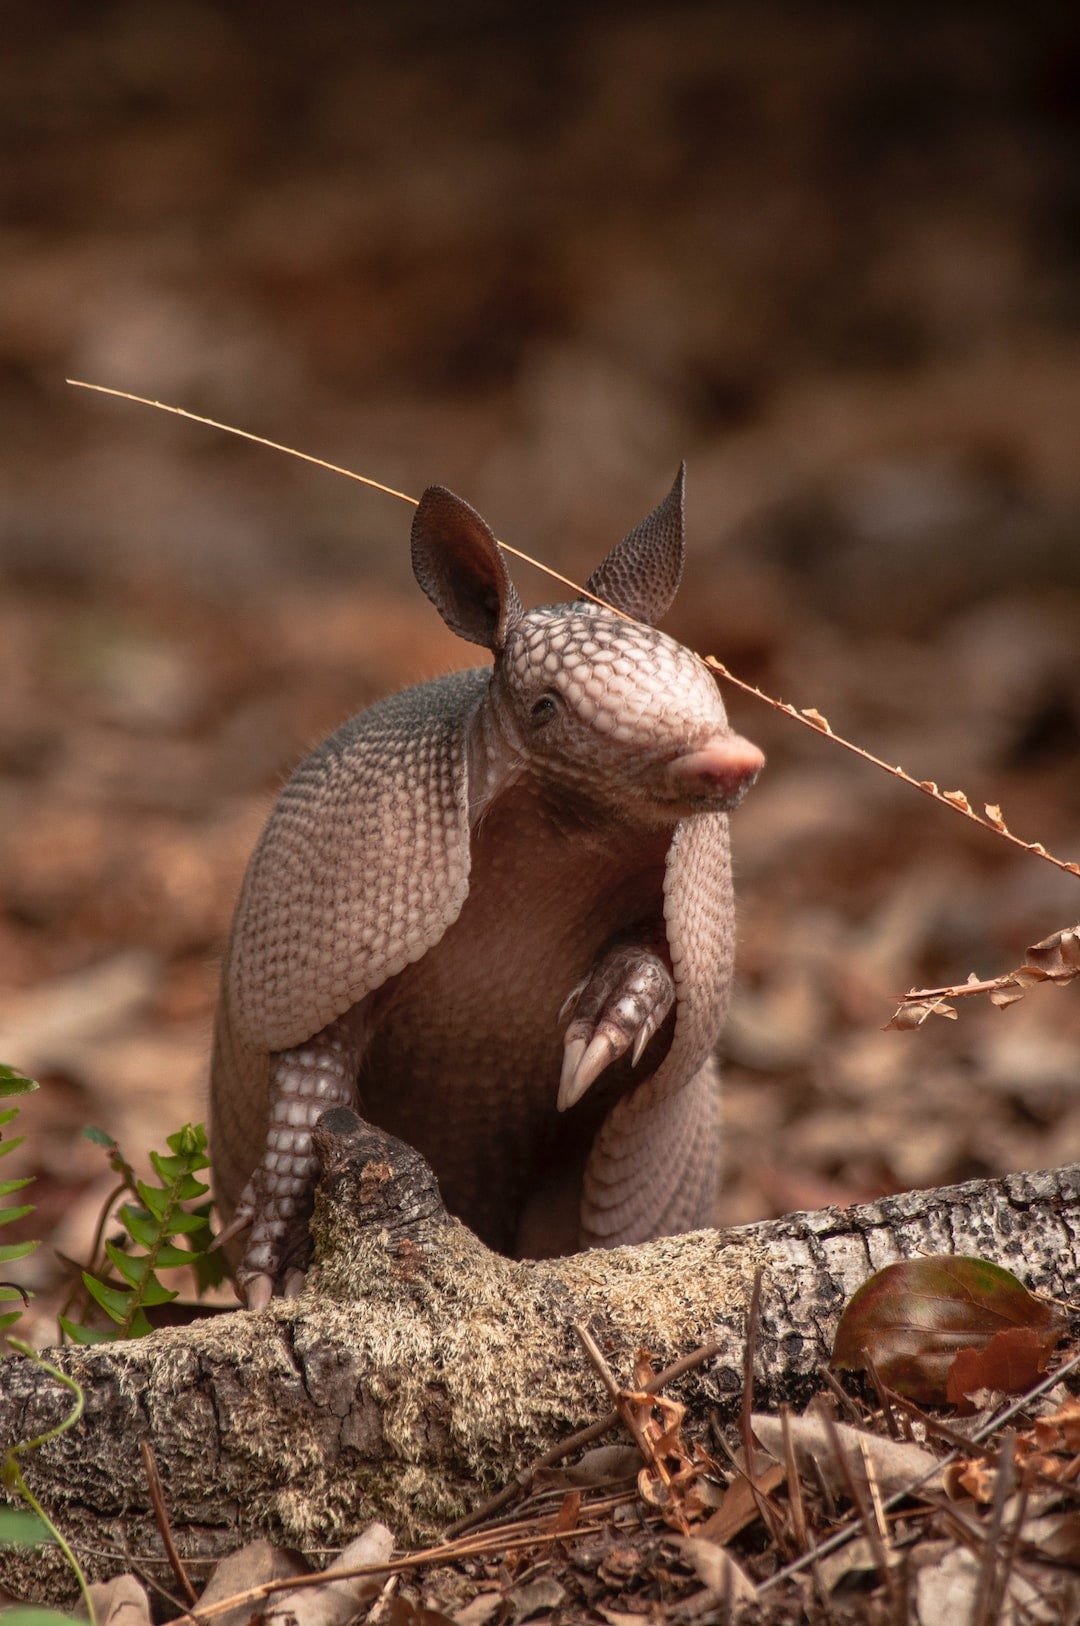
494, 911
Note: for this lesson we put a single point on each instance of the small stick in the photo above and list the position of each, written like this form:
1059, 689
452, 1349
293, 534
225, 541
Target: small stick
331, 468
161, 1514
988, 1596
875, 1493
766, 1512
1011, 1543
847, 1405
883, 1397
622, 1403
445, 1553
866, 1515
753, 1321
794, 1482
811, 718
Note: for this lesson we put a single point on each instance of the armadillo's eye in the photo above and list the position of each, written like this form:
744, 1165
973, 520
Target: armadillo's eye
544, 709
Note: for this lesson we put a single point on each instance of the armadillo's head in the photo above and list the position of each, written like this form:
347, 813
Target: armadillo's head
619, 714
603, 708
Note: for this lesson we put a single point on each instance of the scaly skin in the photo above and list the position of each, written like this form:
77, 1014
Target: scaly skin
499, 907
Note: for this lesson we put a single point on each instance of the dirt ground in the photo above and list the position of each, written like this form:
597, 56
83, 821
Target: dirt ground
827, 254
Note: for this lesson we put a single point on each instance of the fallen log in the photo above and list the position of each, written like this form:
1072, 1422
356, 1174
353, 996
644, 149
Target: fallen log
418, 1371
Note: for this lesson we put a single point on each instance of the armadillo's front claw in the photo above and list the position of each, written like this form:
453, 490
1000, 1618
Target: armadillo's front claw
618, 1008
273, 1209
583, 1062
293, 1284
228, 1233
258, 1291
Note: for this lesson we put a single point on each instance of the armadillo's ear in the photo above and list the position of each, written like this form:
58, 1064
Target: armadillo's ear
458, 563
641, 574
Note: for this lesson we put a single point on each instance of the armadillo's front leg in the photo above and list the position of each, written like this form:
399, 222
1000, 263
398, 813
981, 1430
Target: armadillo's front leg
618, 1007
304, 1083
654, 1168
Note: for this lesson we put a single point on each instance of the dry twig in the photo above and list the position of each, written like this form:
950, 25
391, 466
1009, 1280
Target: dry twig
1056, 959
991, 818
161, 1514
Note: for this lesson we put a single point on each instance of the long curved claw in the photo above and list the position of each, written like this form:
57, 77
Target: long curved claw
585, 1058
258, 1291
239, 1222
617, 1008
573, 1050
567, 1007
648, 1028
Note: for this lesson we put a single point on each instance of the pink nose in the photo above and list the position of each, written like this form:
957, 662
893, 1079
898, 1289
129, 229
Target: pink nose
723, 770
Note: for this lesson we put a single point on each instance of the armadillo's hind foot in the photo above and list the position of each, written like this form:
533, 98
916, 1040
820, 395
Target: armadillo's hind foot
304, 1083
618, 1007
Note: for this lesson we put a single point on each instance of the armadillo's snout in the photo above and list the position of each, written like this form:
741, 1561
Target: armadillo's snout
721, 772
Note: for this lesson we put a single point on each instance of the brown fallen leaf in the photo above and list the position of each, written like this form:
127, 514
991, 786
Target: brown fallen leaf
121, 1602
913, 1317
855, 1557
1011, 1363
1057, 955
603, 1465
976, 1477
480, 1610
534, 1597
1060, 1430
739, 1506
896, 1463
403, 1612
336, 1601
1056, 1536
715, 1566
912, 1013
567, 1516
250, 1566
946, 1591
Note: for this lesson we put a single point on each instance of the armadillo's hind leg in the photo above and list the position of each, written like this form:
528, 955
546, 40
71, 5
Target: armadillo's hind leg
618, 1007
304, 1083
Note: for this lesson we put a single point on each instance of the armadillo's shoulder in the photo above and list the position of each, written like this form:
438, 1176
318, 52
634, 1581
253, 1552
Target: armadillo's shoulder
362, 866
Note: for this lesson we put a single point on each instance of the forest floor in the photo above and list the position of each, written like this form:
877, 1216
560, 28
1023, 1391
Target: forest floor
883, 505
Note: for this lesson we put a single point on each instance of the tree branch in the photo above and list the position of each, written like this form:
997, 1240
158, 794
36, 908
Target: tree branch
419, 1370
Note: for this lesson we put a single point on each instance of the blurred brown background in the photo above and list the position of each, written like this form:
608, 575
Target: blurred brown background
826, 253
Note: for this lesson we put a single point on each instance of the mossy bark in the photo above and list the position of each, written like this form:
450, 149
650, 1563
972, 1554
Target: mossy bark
419, 1370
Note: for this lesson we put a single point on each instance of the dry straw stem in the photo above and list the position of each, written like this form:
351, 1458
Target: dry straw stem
990, 819
331, 468
812, 718
519, 1536
522, 1483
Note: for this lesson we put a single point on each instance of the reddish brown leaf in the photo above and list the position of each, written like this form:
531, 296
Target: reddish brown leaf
912, 1013
1010, 1363
567, 1516
1060, 1430
740, 1506
975, 1478
912, 1318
